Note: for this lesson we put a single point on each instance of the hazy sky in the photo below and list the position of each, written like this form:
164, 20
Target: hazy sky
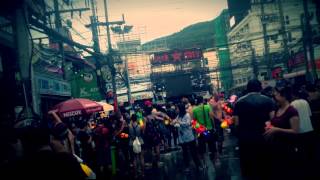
154, 18
163, 17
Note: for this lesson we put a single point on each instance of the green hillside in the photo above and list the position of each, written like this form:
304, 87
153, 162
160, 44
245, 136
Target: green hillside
196, 35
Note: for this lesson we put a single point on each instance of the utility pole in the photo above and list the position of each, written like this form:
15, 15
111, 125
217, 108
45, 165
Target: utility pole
93, 20
284, 36
96, 48
110, 54
58, 26
255, 67
121, 31
265, 40
308, 40
308, 75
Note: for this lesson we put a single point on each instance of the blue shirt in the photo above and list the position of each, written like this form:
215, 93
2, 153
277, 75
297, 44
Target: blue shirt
185, 130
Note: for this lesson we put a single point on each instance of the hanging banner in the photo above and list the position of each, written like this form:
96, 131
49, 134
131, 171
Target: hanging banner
176, 56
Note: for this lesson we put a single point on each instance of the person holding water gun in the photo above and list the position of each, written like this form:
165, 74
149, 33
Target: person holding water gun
203, 115
220, 118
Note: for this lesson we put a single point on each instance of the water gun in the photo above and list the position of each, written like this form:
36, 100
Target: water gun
167, 121
268, 125
124, 135
199, 128
140, 119
227, 109
226, 123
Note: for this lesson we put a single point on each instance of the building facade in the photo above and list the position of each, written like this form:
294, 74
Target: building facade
211, 57
268, 43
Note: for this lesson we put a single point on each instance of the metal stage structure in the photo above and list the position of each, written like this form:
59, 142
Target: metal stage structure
179, 72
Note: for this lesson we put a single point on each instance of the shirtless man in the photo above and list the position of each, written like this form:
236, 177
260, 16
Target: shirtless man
218, 114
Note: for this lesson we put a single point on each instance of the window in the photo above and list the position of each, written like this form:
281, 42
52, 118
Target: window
287, 20
44, 84
246, 27
289, 36
311, 16
274, 38
65, 87
56, 86
264, 74
244, 80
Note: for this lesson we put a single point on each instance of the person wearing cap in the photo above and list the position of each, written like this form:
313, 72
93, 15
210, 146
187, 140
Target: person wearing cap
251, 112
148, 103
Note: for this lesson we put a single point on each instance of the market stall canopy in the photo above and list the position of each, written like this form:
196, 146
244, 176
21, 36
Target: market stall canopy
78, 107
106, 107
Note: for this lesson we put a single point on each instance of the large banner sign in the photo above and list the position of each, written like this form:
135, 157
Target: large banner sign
176, 56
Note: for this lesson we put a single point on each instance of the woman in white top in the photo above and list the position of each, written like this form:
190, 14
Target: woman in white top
306, 137
186, 136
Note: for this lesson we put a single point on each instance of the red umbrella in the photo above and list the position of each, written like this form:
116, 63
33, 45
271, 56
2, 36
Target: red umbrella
77, 107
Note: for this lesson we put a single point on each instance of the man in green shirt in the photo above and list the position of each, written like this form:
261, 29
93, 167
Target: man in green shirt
203, 115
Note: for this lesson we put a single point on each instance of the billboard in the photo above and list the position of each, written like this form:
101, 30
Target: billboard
176, 56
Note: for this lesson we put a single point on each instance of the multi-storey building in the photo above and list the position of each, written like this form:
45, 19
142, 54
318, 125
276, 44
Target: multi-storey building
268, 41
211, 57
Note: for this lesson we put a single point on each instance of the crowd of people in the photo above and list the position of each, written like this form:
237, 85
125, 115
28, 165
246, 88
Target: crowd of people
277, 130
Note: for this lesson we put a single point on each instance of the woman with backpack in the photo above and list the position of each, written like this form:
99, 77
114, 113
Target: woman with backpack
136, 144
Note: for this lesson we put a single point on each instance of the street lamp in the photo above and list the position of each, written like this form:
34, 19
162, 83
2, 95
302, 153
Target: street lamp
121, 30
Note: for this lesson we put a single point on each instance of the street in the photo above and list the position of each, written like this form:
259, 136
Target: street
171, 166
102, 89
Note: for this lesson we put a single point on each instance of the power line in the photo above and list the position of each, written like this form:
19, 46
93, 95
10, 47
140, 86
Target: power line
65, 23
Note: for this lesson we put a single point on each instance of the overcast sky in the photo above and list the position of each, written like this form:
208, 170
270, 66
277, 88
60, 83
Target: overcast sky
151, 18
